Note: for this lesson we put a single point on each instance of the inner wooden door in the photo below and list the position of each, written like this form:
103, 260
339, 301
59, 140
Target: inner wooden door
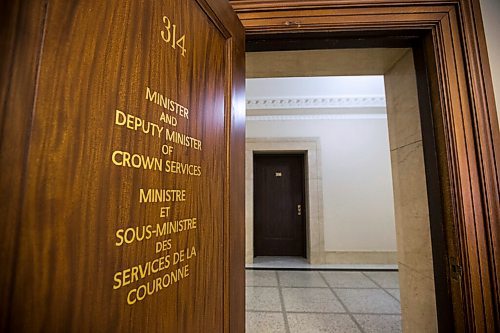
279, 228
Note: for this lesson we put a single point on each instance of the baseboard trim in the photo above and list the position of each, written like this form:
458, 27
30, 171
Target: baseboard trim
316, 268
361, 257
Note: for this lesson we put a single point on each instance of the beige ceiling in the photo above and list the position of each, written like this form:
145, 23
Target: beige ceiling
344, 62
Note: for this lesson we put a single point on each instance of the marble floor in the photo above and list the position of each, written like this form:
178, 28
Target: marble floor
322, 301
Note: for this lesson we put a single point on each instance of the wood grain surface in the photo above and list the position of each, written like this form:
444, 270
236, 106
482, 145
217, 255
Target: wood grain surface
69, 187
19, 58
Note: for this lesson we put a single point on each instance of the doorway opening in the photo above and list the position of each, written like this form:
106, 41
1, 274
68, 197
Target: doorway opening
413, 255
313, 200
458, 125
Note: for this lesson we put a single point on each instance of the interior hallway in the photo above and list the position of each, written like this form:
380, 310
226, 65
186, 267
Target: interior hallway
322, 301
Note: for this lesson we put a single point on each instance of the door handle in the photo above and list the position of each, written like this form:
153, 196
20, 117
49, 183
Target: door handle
299, 210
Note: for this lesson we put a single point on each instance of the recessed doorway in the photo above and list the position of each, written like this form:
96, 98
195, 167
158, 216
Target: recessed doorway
458, 125
357, 138
279, 205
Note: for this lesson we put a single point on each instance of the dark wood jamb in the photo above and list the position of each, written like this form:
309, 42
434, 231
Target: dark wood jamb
234, 185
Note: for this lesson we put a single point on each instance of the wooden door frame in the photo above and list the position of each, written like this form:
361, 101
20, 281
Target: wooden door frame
463, 120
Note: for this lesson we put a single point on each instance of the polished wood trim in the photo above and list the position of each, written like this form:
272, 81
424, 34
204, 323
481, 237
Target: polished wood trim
466, 135
258, 5
485, 129
234, 187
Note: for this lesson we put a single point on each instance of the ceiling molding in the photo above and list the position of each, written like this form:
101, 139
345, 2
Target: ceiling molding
315, 102
316, 117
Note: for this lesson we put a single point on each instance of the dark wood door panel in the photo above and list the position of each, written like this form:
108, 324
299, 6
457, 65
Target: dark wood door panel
122, 217
279, 205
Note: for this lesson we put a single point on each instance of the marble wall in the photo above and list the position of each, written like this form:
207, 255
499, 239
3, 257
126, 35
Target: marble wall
356, 183
416, 274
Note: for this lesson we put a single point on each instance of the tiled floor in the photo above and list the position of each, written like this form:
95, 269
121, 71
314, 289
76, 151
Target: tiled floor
322, 301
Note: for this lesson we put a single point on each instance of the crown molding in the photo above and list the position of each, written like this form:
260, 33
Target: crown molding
316, 117
315, 102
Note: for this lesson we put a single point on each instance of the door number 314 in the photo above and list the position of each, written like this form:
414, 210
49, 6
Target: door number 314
169, 35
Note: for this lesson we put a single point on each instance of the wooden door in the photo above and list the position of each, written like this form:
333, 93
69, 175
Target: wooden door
279, 228
121, 143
